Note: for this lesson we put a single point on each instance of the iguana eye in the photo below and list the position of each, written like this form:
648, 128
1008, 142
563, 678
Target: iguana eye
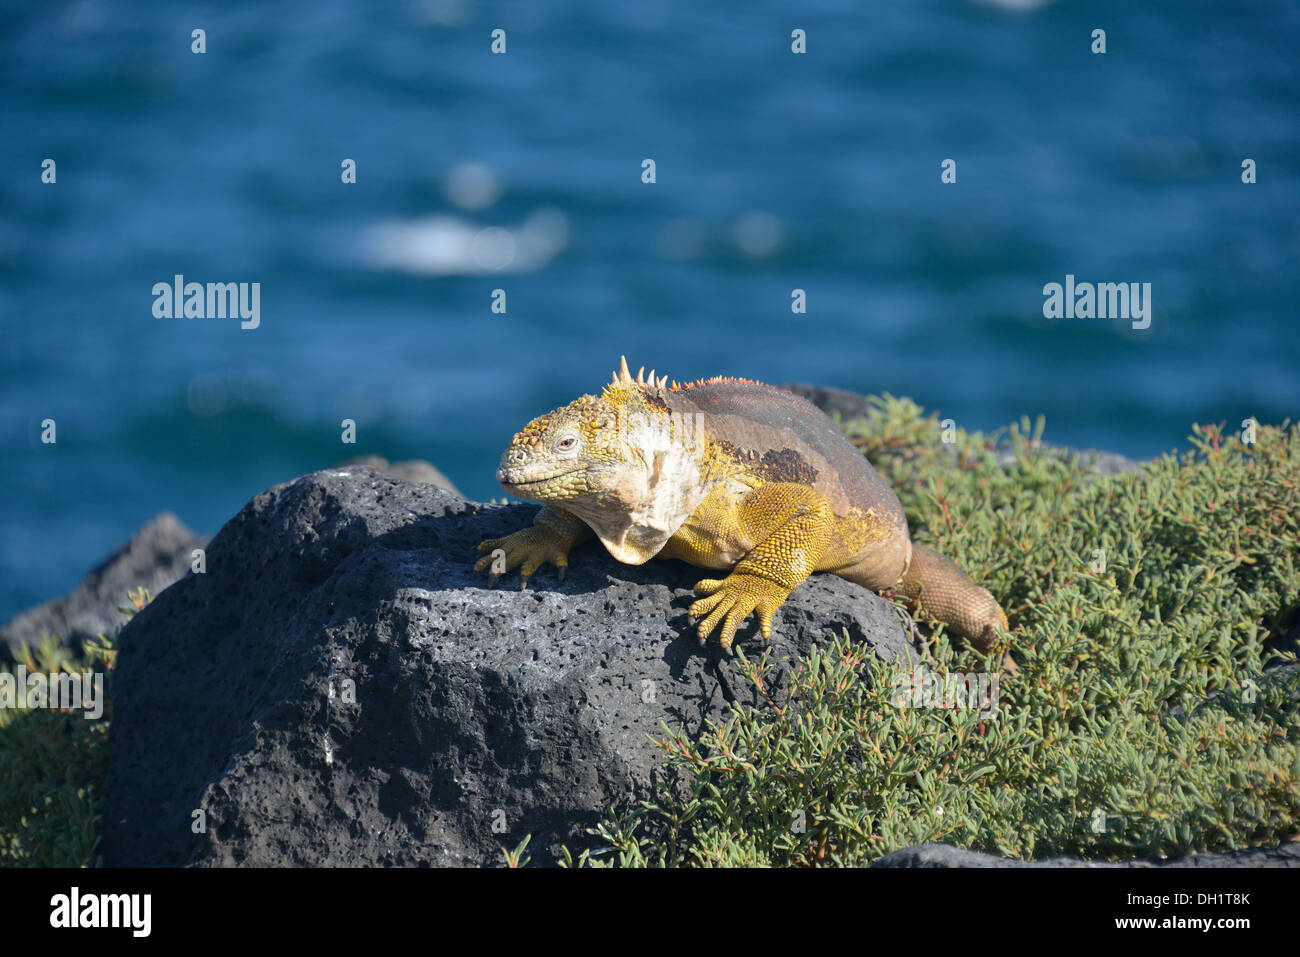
566, 443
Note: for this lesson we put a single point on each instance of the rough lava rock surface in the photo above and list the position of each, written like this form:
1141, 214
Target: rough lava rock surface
157, 555
414, 470
337, 689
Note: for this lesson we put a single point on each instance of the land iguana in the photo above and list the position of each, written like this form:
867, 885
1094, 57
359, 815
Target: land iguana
730, 475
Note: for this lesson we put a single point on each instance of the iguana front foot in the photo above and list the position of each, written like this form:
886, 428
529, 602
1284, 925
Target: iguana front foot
553, 534
730, 600
529, 548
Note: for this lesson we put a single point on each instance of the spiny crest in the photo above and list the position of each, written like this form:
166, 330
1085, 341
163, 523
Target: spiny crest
715, 380
623, 380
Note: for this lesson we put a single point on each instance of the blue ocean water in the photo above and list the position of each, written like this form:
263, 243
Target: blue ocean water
522, 171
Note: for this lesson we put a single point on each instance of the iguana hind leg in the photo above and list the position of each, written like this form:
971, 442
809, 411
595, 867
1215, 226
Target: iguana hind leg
934, 583
947, 595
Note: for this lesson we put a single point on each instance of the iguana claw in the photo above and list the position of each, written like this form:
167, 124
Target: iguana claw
530, 548
731, 600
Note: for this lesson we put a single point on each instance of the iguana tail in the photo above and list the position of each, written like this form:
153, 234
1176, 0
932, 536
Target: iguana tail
947, 595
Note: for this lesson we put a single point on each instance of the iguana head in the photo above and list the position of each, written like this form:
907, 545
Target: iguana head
615, 460
590, 448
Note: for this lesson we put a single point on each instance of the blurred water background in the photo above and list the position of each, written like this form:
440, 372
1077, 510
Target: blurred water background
774, 171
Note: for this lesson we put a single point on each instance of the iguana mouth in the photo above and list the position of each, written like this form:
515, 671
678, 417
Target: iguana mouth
514, 478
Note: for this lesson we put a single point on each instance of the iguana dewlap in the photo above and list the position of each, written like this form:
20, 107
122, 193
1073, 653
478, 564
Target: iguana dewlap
730, 475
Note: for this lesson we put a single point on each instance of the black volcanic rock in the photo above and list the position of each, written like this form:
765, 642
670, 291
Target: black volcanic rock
414, 470
337, 689
156, 556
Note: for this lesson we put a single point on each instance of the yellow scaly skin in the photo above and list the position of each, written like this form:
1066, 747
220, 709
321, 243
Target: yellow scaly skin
729, 475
